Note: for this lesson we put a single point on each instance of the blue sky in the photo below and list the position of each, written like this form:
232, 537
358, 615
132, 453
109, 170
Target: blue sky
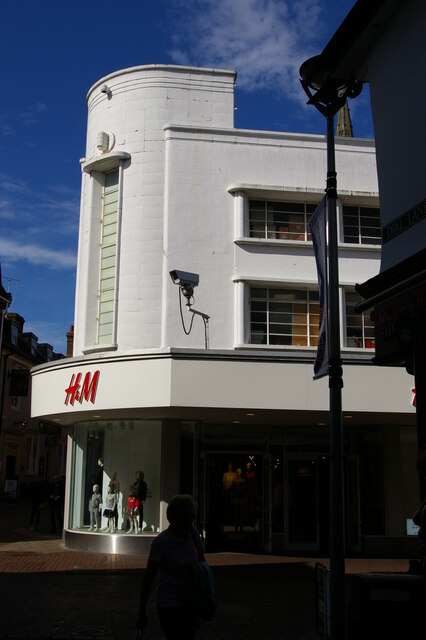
52, 51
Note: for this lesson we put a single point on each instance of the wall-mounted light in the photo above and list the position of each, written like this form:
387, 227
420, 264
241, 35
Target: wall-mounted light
105, 141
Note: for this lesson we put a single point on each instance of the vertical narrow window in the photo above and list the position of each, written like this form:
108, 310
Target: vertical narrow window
109, 221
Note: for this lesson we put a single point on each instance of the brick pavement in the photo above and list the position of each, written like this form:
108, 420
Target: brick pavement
49, 591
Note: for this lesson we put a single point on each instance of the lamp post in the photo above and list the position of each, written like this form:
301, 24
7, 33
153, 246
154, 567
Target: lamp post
330, 95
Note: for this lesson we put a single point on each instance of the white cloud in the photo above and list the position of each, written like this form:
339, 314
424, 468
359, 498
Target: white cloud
264, 40
55, 211
14, 251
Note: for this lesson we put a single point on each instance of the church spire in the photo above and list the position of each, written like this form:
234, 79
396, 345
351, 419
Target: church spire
344, 124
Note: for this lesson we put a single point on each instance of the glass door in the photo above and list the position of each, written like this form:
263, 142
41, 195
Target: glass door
352, 504
233, 498
302, 502
267, 505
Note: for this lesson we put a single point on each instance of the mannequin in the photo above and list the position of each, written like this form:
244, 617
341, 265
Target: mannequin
110, 508
142, 491
227, 481
228, 477
116, 486
239, 500
132, 508
100, 474
251, 491
95, 509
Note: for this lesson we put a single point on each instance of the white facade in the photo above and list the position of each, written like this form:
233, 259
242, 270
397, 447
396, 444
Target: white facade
186, 191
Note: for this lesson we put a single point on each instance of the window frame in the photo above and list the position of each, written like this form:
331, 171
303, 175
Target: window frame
282, 227
108, 281
311, 303
359, 225
365, 324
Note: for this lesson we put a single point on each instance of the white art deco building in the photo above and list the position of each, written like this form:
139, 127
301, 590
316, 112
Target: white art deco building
169, 184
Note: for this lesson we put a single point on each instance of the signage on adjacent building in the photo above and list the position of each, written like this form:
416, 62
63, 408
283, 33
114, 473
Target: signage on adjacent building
80, 390
389, 323
403, 222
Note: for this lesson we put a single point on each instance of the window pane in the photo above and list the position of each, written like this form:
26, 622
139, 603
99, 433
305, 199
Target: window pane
278, 220
361, 225
284, 316
258, 293
106, 296
111, 179
108, 283
359, 327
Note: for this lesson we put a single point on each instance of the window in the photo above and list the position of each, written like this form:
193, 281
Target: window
284, 316
121, 445
280, 220
361, 225
32, 455
359, 326
109, 221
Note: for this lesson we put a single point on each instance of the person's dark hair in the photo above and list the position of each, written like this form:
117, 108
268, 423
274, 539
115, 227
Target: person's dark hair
179, 506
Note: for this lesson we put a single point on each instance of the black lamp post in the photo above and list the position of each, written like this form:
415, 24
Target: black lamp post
328, 95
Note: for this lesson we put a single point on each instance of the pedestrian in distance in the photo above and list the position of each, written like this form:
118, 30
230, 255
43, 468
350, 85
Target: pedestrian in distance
56, 505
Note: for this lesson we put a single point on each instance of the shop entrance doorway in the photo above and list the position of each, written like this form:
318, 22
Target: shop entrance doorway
235, 501
308, 503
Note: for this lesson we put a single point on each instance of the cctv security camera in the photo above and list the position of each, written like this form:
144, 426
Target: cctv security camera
186, 281
184, 277
106, 89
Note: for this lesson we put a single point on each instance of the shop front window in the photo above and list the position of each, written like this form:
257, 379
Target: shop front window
112, 461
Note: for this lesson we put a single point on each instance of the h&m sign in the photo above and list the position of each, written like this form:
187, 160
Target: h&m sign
79, 391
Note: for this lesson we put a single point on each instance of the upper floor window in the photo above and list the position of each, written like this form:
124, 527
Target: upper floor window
109, 222
361, 225
284, 316
359, 326
280, 220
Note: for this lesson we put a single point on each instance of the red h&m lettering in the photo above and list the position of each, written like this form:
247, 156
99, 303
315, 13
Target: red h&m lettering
72, 390
88, 388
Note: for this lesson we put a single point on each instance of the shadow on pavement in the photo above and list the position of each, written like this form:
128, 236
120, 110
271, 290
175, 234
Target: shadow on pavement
262, 602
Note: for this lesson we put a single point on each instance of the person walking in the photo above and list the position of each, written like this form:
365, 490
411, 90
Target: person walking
173, 551
56, 505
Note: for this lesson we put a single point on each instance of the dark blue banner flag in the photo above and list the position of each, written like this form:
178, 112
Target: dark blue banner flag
318, 227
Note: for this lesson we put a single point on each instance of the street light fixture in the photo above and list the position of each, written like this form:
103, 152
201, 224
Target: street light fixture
328, 95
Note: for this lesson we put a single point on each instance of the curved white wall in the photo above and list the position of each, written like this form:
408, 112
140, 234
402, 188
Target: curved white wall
178, 210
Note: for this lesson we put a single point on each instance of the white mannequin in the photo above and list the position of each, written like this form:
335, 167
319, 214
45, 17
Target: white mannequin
95, 509
110, 505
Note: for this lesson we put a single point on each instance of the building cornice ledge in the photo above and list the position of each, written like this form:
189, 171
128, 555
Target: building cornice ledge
243, 353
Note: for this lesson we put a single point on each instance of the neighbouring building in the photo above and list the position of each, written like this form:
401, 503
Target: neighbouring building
31, 449
169, 184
